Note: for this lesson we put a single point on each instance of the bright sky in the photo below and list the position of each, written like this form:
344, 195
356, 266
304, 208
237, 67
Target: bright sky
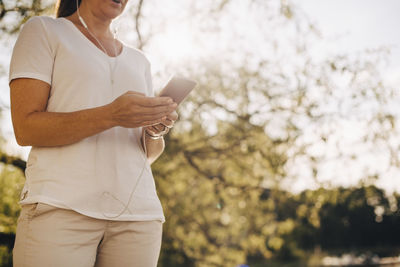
359, 24
347, 25
354, 25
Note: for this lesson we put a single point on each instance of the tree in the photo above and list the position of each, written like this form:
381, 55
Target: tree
19, 11
11, 182
253, 118
256, 116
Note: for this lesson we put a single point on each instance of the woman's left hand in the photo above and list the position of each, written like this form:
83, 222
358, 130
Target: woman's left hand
158, 130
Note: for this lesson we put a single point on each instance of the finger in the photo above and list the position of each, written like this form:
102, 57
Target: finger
148, 123
159, 110
153, 120
154, 129
160, 132
142, 99
173, 116
151, 131
166, 130
134, 93
168, 123
159, 118
152, 101
158, 127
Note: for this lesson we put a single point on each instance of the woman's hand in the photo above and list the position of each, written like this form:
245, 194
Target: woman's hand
158, 130
132, 110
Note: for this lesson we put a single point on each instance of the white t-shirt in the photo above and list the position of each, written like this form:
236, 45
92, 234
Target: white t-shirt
96, 175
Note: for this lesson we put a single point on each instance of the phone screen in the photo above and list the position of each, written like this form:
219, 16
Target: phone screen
178, 88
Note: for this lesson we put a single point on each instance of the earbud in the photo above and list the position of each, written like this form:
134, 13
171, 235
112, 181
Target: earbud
79, 15
83, 22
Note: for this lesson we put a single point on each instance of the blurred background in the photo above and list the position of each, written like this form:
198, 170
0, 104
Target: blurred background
286, 154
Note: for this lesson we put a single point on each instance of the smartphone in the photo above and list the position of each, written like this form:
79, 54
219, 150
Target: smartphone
178, 88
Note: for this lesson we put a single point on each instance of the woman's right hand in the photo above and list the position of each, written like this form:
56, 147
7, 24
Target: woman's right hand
133, 109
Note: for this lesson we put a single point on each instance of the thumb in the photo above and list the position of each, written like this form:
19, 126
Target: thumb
134, 93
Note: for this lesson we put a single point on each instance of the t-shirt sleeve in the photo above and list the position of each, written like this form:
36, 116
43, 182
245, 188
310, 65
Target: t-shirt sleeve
149, 82
32, 55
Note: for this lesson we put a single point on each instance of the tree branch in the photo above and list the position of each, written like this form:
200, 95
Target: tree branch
137, 22
11, 160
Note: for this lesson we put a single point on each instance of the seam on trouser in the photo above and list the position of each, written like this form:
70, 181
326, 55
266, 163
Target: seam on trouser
103, 238
29, 217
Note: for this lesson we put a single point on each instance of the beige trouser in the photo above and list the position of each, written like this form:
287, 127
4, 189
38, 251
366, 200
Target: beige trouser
48, 236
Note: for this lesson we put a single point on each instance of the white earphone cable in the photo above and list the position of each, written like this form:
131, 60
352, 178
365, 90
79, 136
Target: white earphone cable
112, 68
144, 155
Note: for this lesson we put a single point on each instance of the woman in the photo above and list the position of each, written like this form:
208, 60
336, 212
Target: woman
84, 101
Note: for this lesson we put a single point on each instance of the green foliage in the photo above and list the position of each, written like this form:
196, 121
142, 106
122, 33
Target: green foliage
11, 182
211, 197
342, 219
21, 11
5, 256
272, 225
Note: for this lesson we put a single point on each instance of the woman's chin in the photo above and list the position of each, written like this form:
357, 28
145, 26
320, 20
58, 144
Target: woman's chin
112, 13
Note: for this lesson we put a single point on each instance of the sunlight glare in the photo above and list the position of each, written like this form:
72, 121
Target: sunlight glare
176, 45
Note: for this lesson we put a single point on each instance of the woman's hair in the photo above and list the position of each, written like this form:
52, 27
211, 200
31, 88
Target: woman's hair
64, 8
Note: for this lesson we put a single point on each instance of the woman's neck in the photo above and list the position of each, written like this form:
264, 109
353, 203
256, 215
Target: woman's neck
99, 26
